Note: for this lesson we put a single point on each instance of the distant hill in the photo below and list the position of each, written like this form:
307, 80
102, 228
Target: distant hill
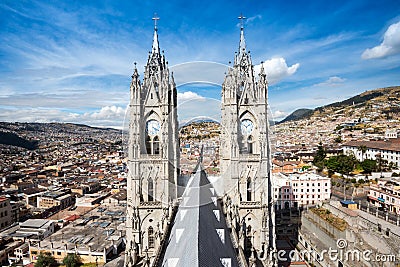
30, 135
7, 138
381, 94
198, 120
298, 115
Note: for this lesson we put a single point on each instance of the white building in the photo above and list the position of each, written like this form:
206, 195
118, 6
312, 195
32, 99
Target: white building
34, 229
385, 195
391, 133
300, 189
386, 149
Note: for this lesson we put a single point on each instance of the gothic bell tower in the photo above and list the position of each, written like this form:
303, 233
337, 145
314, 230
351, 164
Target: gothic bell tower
153, 157
246, 157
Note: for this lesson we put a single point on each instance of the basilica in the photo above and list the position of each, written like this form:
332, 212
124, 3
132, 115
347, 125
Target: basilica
200, 227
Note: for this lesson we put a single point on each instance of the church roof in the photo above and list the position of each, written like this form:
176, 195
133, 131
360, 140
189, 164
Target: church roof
199, 236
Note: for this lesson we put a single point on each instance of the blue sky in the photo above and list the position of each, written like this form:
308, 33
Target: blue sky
71, 61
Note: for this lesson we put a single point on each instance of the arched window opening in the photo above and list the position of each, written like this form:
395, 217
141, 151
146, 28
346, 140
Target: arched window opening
156, 146
248, 230
150, 190
248, 190
148, 144
248, 244
150, 237
250, 144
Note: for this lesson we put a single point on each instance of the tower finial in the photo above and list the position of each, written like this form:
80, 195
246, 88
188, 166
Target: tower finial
155, 18
242, 18
242, 43
155, 48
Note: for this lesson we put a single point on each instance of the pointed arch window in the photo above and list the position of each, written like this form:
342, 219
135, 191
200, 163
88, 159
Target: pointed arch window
150, 233
148, 144
250, 145
150, 190
248, 243
156, 145
248, 190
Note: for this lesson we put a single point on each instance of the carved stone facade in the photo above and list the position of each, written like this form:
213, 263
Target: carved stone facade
153, 158
245, 157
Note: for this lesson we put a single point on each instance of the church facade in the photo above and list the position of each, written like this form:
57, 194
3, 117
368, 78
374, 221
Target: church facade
153, 157
246, 157
153, 160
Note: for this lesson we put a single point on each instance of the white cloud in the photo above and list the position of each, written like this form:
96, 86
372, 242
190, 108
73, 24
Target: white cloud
332, 81
108, 116
108, 112
389, 46
278, 115
277, 69
189, 95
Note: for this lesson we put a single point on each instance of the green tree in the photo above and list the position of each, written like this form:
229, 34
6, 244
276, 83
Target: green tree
45, 260
338, 139
369, 165
72, 260
319, 157
343, 164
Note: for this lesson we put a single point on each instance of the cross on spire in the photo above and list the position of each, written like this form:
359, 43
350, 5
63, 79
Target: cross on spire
242, 18
155, 18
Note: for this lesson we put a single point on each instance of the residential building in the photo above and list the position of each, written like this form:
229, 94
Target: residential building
34, 229
385, 149
60, 199
300, 189
385, 195
5, 212
95, 238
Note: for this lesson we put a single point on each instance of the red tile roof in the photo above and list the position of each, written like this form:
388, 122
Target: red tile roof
391, 144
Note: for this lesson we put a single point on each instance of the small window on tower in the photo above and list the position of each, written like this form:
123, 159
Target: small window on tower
249, 189
250, 144
150, 190
151, 95
151, 237
156, 145
148, 144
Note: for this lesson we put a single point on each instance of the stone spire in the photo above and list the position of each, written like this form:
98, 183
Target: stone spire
156, 61
242, 42
155, 47
242, 58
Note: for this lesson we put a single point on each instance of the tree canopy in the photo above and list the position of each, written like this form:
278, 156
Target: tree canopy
342, 164
319, 157
72, 260
45, 260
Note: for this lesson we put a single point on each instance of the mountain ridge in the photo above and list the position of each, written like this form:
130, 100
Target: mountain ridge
360, 99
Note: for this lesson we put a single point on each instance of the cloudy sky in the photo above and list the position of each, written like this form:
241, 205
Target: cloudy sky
71, 61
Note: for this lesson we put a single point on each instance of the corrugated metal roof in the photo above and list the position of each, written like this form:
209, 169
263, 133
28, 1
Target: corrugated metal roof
199, 236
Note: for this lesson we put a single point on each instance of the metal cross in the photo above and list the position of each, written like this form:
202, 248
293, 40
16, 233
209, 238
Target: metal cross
241, 17
155, 18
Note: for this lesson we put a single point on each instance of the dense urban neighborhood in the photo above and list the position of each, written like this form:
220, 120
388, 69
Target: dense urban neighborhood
63, 186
